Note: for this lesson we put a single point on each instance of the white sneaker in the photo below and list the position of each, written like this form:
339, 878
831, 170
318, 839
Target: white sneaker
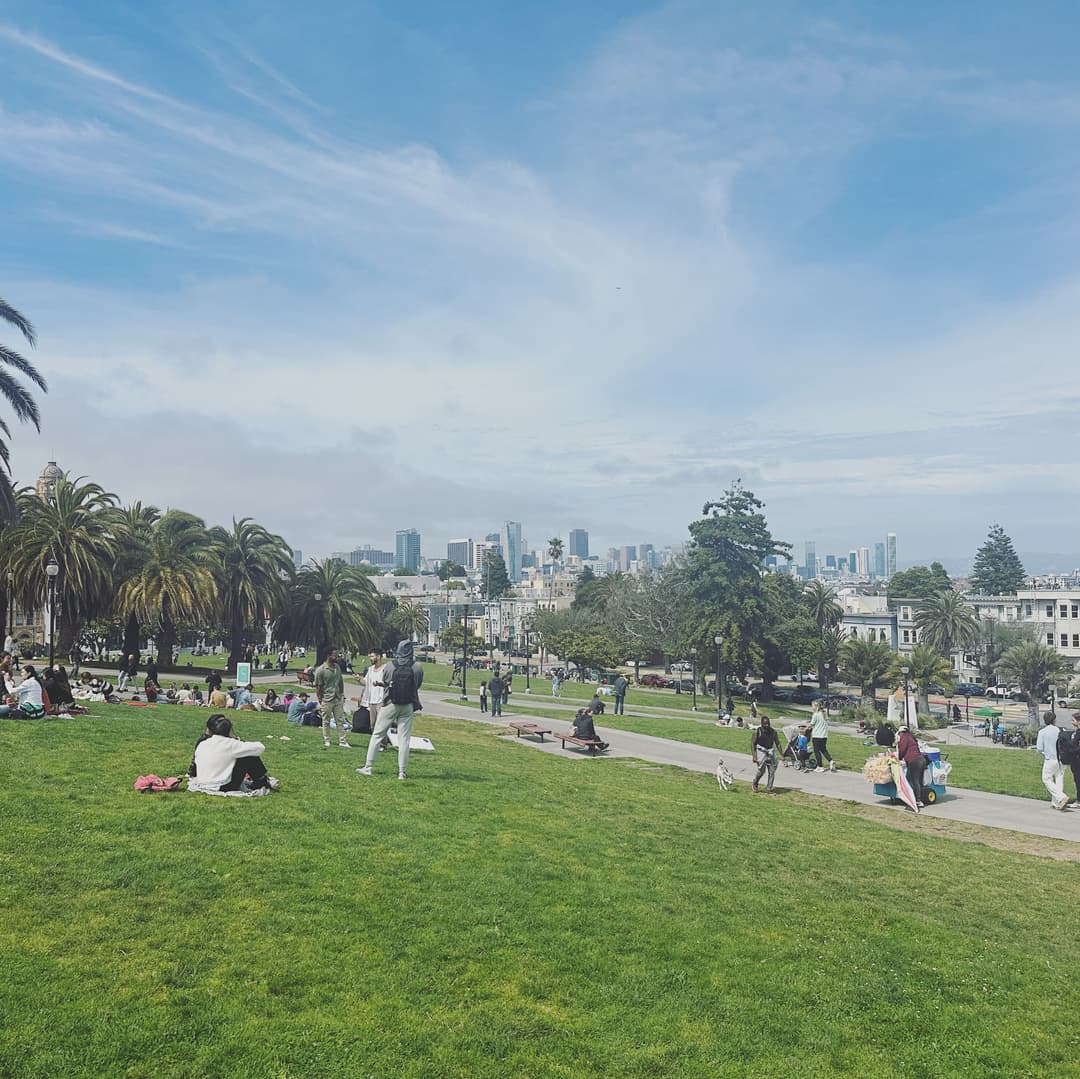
365, 771
401, 775
832, 766
819, 769
273, 784
326, 744
344, 745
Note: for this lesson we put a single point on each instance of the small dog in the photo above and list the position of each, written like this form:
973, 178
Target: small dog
723, 775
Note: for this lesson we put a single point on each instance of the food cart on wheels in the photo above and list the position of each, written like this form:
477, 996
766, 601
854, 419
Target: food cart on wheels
935, 777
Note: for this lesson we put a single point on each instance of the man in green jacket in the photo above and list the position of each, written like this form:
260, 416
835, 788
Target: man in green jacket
330, 692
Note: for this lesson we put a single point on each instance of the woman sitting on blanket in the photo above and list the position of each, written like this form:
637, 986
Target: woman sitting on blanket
223, 763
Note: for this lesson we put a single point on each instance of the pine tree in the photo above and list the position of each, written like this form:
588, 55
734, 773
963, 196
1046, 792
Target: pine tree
998, 570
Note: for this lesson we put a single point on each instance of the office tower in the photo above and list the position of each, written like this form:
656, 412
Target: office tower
890, 553
626, 556
493, 537
578, 543
646, 556
460, 552
830, 561
853, 562
879, 559
297, 557
512, 550
480, 551
810, 558
407, 549
863, 561
373, 557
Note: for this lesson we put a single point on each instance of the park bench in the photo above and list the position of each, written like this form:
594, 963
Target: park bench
591, 744
530, 728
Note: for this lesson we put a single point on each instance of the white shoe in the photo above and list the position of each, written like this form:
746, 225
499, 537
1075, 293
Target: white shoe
401, 775
273, 784
365, 771
326, 744
832, 766
344, 745
819, 769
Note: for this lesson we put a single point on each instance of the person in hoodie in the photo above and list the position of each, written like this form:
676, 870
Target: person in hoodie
402, 680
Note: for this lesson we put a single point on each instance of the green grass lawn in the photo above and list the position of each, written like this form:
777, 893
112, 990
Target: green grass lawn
999, 771
504, 912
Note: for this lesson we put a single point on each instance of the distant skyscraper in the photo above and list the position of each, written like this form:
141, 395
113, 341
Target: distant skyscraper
480, 550
864, 561
879, 559
646, 556
297, 557
493, 537
373, 557
853, 562
890, 553
626, 556
830, 561
460, 552
512, 550
810, 558
407, 549
579, 542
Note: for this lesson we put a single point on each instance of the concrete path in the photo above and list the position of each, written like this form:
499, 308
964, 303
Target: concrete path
1004, 811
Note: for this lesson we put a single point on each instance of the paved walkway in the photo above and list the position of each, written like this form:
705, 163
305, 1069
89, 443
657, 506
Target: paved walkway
1004, 811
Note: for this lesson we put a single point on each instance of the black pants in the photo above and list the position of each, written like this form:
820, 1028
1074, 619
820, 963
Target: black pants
252, 767
915, 771
483, 704
821, 750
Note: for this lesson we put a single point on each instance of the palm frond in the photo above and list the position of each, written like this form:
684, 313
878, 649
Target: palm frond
20, 363
19, 398
19, 321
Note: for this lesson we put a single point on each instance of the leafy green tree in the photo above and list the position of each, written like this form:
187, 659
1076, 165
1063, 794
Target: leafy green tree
722, 579
579, 638
495, 581
924, 666
946, 624
402, 571
994, 639
998, 570
448, 569
19, 398
832, 640
800, 639
176, 580
330, 604
256, 567
919, 582
1035, 668
77, 529
644, 614
865, 664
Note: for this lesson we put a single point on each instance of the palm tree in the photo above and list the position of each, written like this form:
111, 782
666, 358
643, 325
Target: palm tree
23, 405
176, 580
832, 640
330, 604
134, 529
410, 619
924, 666
555, 550
821, 603
865, 664
256, 567
945, 624
1034, 667
77, 530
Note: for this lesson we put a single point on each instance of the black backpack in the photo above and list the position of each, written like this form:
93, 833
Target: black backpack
1066, 749
361, 721
402, 686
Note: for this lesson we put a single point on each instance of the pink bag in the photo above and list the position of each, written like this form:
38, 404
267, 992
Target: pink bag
151, 783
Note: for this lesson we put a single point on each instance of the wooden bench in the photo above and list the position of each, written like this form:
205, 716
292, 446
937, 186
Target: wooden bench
591, 744
530, 728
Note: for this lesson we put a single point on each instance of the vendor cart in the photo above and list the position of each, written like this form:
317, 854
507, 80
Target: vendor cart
933, 784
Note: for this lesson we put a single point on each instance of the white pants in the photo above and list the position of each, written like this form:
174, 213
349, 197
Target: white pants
1053, 777
392, 715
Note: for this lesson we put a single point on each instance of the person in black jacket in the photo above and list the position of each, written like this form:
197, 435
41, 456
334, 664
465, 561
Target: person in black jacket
765, 743
495, 689
584, 729
884, 736
1074, 737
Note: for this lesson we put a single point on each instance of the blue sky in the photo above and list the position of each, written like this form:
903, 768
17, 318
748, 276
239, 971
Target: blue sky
578, 265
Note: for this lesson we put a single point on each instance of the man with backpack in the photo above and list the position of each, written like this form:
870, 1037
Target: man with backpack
1071, 744
330, 691
402, 680
1053, 771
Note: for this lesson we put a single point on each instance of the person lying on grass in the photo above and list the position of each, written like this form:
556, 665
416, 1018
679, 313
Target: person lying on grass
223, 763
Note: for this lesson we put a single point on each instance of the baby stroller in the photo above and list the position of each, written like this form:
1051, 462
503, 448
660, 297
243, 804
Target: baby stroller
794, 755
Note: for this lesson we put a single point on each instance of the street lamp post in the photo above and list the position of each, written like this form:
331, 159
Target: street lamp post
525, 631
52, 569
693, 679
904, 672
718, 640
11, 604
465, 652
322, 630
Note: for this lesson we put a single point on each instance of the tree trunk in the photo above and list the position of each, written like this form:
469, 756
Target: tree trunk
869, 692
822, 676
236, 645
924, 701
68, 632
131, 636
166, 640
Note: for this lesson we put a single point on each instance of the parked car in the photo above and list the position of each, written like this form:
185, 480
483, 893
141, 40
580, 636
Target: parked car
657, 680
806, 694
970, 689
998, 693
684, 684
425, 648
784, 693
761, 691
682, 665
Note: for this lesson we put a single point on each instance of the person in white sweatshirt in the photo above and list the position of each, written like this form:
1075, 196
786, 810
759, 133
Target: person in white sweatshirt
222, 761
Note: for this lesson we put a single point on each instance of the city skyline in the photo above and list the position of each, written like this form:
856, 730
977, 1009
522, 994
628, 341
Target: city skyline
210, 215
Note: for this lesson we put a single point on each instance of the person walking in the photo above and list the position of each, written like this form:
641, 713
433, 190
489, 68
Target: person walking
483, 696
330, 692
283, 661
764, 741
402, 680
909, 751
556, 684
620, 686
495, 688
819, 736
1053, 771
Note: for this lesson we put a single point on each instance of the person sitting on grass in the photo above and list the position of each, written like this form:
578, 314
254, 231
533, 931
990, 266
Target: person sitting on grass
197, 696
297, 708
150, 688
584, 729
223, 763
885, 736
596, 706
28, 693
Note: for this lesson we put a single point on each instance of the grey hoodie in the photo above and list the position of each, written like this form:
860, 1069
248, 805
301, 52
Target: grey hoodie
404, 657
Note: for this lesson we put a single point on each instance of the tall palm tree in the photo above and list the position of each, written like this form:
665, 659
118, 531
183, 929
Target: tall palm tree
134, 529
256, 567
865, 664
22, 403
330, 604
1035, 667
924, 666
832, 641
821, 604
555, 551
77, 530
945, 624
176, 580
410, 619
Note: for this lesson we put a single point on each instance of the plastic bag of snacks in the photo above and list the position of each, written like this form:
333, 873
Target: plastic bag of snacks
876, 769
